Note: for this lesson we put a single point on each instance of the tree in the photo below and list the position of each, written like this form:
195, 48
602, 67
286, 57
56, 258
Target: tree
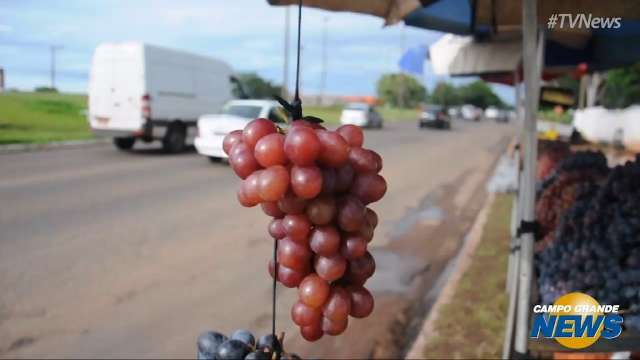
401, 90
255, 87
622, 87
446, 95
478, 93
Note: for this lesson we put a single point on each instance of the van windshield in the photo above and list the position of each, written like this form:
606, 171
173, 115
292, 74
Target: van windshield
245, 111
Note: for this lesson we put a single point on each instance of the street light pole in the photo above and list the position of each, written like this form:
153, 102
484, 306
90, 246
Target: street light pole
53, 50
323, 76
285, 70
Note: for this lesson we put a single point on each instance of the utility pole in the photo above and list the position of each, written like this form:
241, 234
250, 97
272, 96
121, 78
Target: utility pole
402, 90
285, 70
53, 50
323, 75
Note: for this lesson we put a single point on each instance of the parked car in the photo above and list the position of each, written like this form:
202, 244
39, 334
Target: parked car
495, 114
470, 113
235, 115
434, 117
363, 115
454, 113
143, 92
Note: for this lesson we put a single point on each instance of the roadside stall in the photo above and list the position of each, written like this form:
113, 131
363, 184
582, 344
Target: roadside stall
559, 46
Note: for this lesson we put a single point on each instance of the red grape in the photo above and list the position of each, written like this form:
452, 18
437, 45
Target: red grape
231, 139
322, 210
301, 123
369, 187
293, 255
289, 277
372, 218
273, 183
313, 291
312, 332
297, 227
351, 213
353, 247
328, 181
338, 305
250, 188
257, 129
360, 269
302, 145
334, 328
330, 268
269, 150
242, 160
363, 160
242, 197
352, 134
291, 204
271, 208
276, 229
344, 178
306, 181
378, 160
325, 240
334, 150
304, 315
361, 302
366, 231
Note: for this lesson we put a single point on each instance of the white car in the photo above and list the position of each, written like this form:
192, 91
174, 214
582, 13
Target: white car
235, 115
362, 115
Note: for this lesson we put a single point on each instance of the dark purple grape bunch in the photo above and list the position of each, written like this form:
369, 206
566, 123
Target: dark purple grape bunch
241, 345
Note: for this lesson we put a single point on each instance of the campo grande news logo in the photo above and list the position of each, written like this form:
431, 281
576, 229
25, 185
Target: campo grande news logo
576, 321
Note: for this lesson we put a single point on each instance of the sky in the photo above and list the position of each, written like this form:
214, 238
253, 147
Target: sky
247, 34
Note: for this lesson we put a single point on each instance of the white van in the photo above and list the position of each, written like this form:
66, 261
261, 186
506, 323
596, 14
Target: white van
139, 91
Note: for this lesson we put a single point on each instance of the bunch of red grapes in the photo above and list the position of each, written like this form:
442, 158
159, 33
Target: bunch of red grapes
316, 184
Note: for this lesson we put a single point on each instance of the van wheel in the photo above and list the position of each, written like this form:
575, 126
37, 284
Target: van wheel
175, 139
124, 143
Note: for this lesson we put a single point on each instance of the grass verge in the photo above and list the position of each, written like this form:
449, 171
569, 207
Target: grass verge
42, 117
472, 324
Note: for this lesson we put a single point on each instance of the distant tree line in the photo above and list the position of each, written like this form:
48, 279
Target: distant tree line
402, 90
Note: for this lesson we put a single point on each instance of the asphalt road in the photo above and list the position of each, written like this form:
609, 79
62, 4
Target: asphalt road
112, 254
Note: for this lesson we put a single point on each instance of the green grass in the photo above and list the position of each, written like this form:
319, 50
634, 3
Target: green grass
42, 117
472, 324
331, 114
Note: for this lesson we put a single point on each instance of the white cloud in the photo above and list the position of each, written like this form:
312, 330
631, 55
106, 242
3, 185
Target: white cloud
4, 28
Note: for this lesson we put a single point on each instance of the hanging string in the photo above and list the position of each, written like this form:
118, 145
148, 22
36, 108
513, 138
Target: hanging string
295, 109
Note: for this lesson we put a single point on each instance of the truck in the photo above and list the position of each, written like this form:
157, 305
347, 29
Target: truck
144, 92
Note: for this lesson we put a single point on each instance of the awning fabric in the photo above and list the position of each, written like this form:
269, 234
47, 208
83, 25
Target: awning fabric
461, 55
392, 11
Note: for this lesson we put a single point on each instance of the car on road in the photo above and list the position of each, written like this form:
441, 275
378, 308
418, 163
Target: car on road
144, 92
212, 128
434, 116
360, 114
470, 112
495, 114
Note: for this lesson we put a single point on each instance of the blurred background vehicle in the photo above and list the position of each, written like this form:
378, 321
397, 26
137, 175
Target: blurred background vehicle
495, 114
139, 91
434, 116
470, 112
361, 114
212, 128
454, 113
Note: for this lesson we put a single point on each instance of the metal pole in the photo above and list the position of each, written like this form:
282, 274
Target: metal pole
53, 49
323, 75
532, 66
285, 69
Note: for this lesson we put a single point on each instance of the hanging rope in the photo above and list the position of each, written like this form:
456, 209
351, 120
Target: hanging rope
295, 109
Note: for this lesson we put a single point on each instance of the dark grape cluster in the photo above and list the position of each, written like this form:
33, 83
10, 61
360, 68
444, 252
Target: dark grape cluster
550, 154
316, 184
559, 190
240, 345
597, 244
